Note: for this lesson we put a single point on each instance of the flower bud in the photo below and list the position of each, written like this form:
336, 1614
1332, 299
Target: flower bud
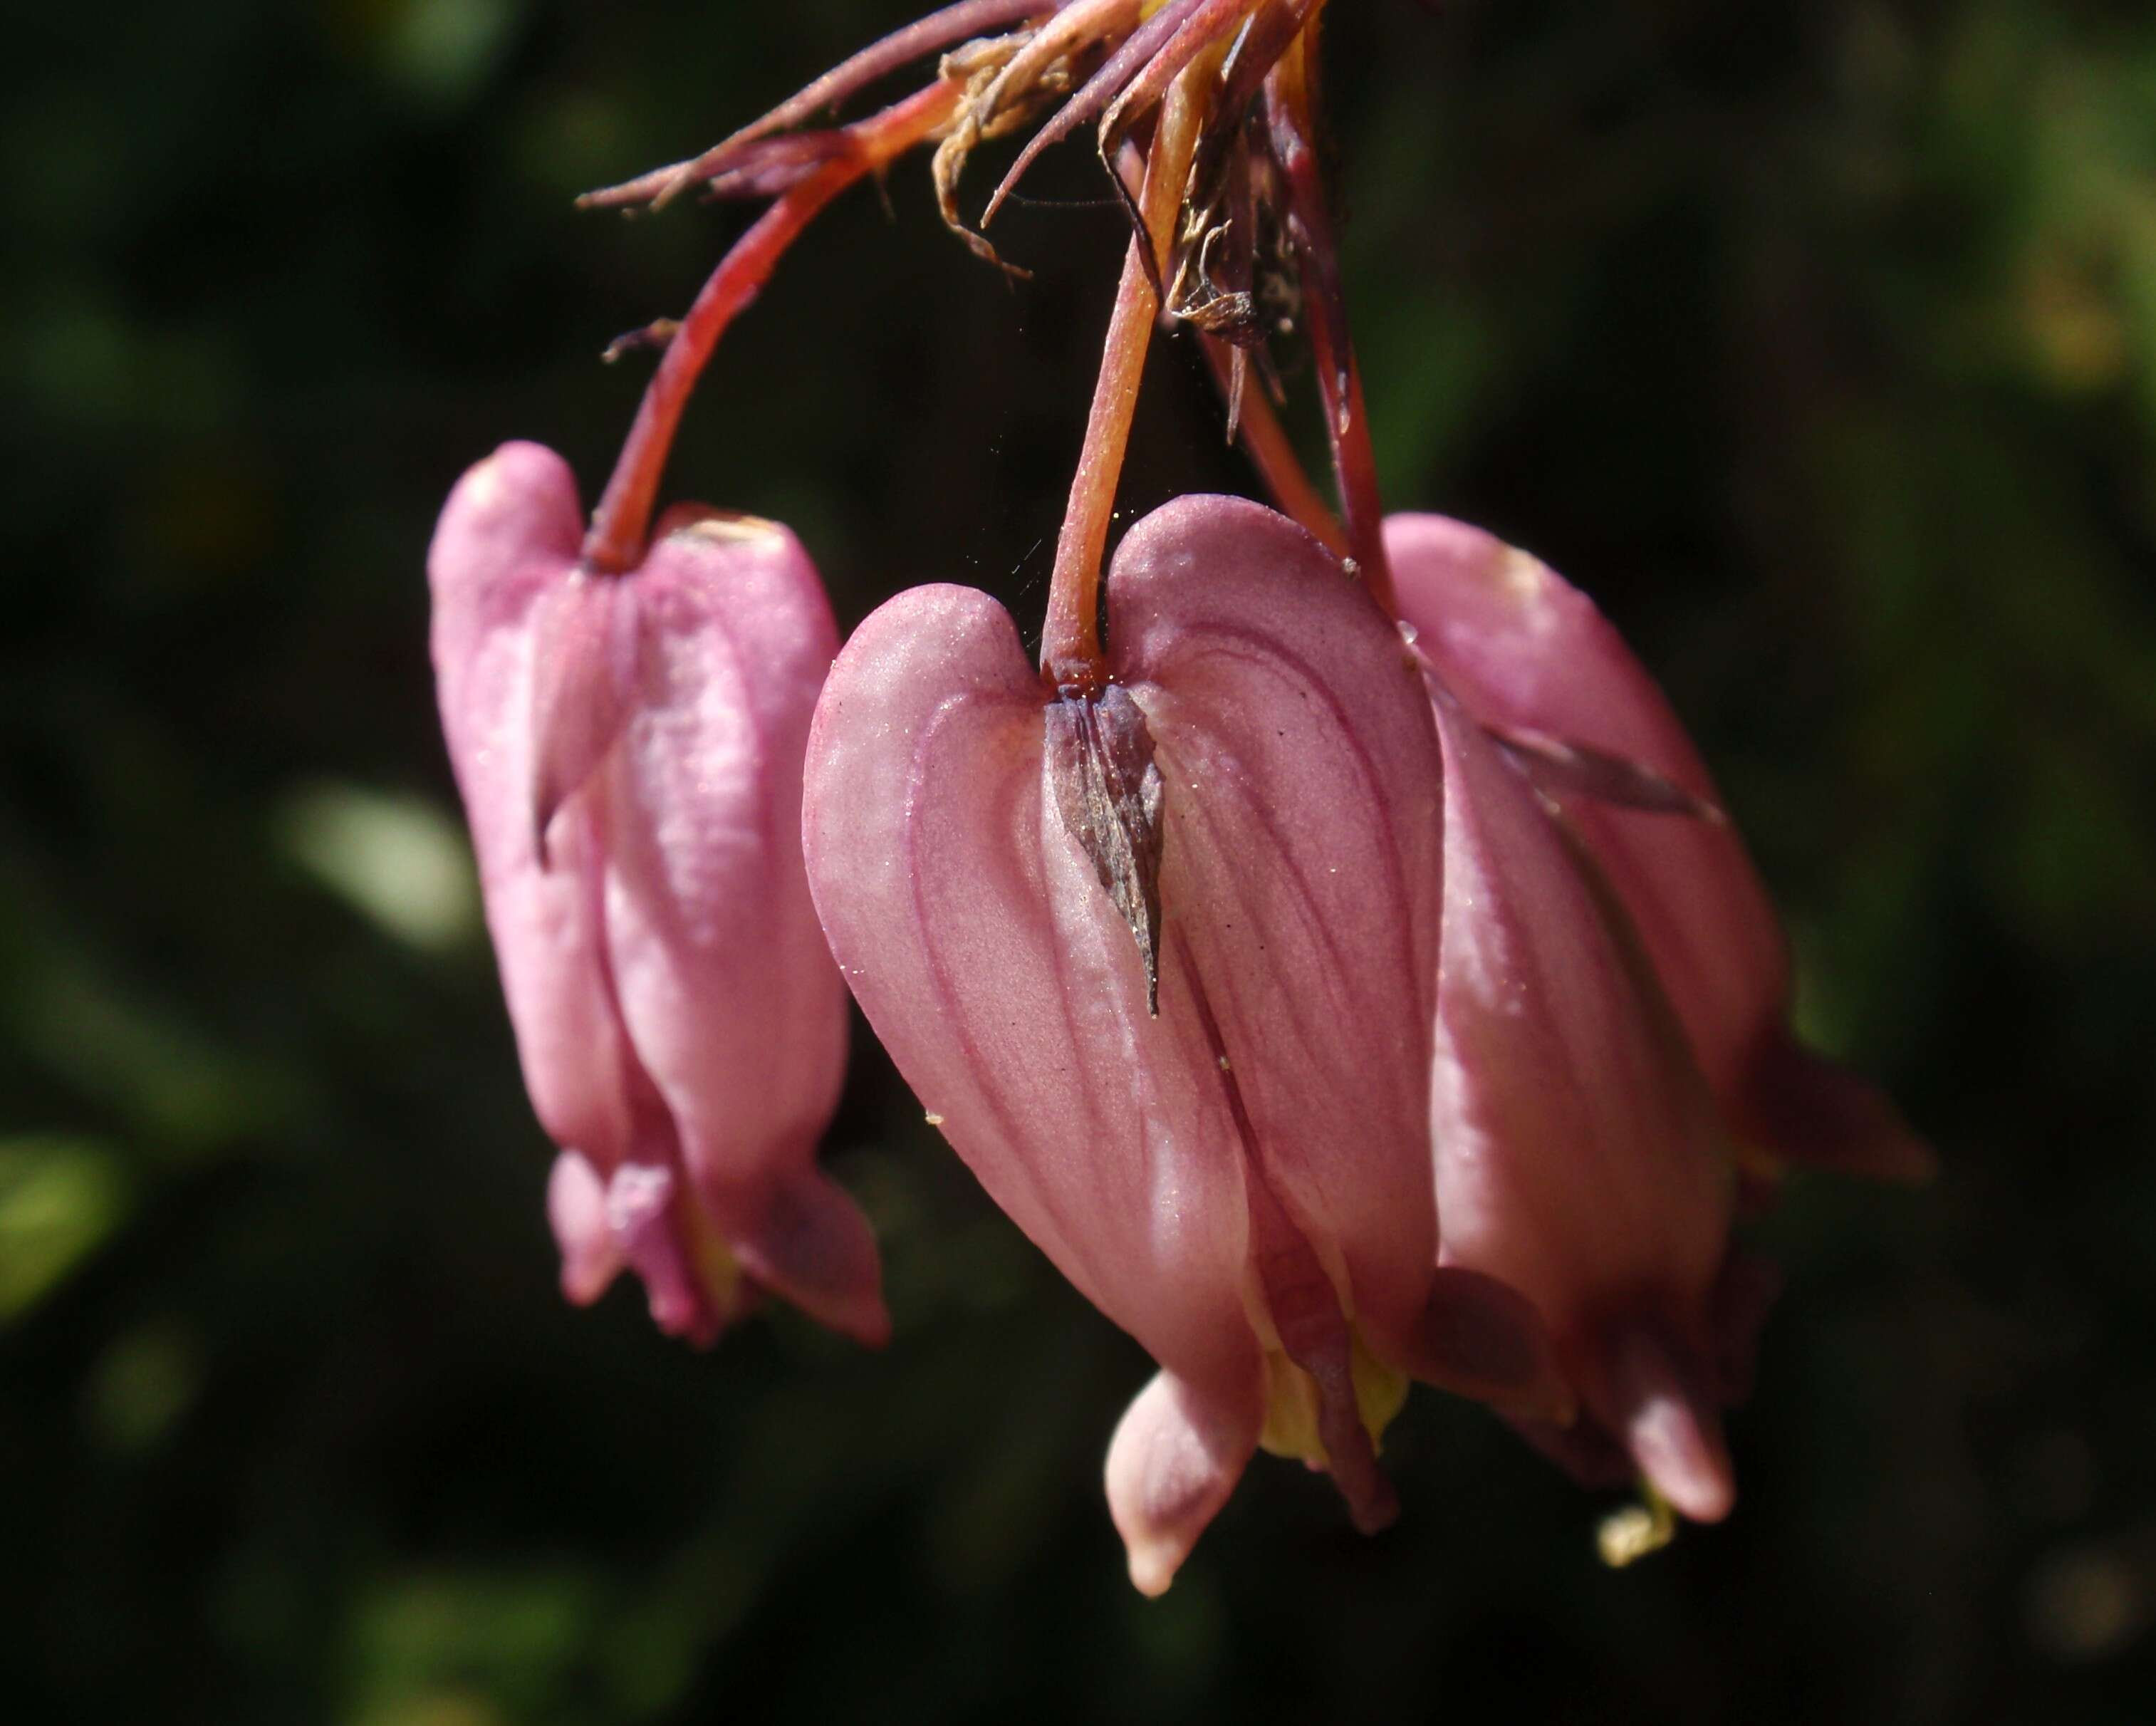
629, 749
1161, 963
1531, 658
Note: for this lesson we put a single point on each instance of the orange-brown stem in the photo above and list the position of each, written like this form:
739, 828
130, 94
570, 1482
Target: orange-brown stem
1071, 640
615, 542
1266, 441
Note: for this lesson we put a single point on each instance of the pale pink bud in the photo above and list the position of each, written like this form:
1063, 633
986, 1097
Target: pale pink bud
1578, 1156
1532, 658
630, 752
1253, 807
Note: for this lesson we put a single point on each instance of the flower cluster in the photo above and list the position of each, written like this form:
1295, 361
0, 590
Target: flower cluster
1341, 966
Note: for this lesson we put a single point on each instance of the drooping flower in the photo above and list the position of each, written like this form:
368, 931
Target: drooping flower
1531, 657
629, 749
1242, 827
1578, 1153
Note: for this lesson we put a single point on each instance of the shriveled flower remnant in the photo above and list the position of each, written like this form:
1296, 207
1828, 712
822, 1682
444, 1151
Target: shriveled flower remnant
1344, 972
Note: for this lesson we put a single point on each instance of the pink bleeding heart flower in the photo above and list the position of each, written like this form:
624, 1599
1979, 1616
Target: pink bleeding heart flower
1246, 821
629, 751
1532, 658
1578, 1154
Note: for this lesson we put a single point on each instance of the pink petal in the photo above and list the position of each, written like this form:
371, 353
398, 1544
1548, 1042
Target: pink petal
577, 1211
1481, 1338
1576, 1155
978, 941
508, 537
650, 1219
1176, 1457
798, 1232
1669, 1419
1528, 653
1812, 1111
725, 983
1303, 867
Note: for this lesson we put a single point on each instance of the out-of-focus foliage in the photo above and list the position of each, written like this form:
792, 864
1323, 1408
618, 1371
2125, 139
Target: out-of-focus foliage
1816, 337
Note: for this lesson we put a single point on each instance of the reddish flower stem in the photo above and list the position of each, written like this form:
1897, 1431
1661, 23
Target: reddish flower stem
1266, 441
1071, 638
615, 542
1290, 106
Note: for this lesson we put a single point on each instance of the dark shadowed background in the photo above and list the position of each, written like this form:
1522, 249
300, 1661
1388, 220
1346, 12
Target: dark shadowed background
1816, 338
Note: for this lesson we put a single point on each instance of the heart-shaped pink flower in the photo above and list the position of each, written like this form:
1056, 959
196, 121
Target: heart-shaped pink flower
629, 751
1248, 818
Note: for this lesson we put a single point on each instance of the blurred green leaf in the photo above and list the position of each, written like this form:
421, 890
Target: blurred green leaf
456, 1645
60, 1199
398, 860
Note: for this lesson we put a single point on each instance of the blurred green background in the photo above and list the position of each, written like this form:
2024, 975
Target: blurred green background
1817, 338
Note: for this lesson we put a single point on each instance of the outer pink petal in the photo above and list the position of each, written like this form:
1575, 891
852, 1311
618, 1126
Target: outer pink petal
577, 1211
508, 537
729, 993
646, 1214
981, 946
1576, 1158
1302, 870
1175, 1459
1663, 1403
1524, 649
1810, 1110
